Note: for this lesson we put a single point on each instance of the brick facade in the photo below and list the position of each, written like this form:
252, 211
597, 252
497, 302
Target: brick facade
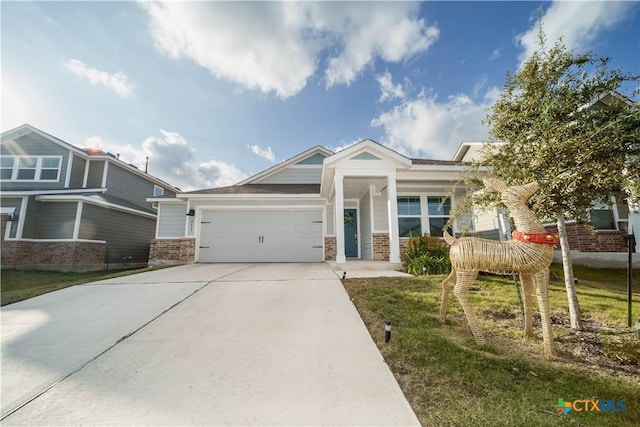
330, 248
58, 256
583, 239
380, 246
173, 251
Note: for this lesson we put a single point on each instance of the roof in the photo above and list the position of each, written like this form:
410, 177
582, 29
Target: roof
262, 189
87, 153
437, 162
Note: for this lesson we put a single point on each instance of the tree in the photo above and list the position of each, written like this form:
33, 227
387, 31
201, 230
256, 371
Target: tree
567, 125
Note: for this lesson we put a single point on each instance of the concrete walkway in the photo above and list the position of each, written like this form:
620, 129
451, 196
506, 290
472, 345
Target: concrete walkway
203, 344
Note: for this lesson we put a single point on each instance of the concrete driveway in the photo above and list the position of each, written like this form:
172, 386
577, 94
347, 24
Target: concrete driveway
202, 344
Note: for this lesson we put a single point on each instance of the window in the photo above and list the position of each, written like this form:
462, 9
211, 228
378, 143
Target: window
602, 217
439, 211
6, 164
50, 168
31, 168
27, 168
409, 216
157, 192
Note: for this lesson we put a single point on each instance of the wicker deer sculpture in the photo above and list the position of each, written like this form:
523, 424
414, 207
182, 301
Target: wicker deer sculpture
529, 254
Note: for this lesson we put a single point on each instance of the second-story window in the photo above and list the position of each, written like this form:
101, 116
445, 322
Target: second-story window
31, 168
157, 192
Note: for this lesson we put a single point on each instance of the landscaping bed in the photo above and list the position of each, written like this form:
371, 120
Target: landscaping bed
450, 380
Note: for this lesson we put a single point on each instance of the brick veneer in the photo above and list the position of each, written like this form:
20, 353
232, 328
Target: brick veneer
380, 246
330, 248
583, 239
60, 256
173, 250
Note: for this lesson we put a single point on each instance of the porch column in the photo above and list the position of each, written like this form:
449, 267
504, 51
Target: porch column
392, 203
339, 218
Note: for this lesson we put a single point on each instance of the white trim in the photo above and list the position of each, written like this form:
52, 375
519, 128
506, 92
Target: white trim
86, 173
93, 201
67, 179
51, 192
21, 217
243, 196
338, 227
7, 228
78, 220
158, 222
392, 200
104, 174
59, 240
256, 208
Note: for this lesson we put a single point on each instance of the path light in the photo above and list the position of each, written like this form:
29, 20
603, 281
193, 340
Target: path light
638, 329
387, 330
344, 275
424, 270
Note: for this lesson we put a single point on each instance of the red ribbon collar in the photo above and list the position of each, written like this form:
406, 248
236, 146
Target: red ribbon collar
540, 238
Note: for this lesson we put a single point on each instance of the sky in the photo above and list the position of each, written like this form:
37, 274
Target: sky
214, 92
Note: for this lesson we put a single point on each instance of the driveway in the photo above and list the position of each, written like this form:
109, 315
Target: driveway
201, 344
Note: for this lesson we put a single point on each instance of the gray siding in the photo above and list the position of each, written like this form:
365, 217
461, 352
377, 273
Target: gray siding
31, 228
94, 179
172, 219
292, 175
127, 185
33, 144
124, 233
365, 227
623, 207
55, 220
331, 209
77, 172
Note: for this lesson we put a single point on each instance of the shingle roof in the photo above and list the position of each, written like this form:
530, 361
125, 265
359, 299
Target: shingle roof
262, 189
437, 162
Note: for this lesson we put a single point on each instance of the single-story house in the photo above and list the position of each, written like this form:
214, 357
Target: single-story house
359, 203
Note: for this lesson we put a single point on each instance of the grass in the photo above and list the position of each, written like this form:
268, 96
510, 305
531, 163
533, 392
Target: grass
449, 380
18, 285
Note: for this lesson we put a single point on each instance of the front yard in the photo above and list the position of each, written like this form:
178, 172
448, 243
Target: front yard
449, 380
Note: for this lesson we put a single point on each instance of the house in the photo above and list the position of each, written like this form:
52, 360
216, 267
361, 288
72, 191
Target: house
71, 209
360, 203
606, 233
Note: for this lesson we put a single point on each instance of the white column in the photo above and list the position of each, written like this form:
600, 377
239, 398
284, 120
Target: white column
392, 203
76, 224
339, 218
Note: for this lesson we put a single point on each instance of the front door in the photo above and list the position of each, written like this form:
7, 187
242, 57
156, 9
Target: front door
351, 233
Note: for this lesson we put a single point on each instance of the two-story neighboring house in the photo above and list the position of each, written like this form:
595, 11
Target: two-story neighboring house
71, 209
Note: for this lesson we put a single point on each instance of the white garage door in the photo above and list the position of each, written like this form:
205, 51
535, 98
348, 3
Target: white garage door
261, 236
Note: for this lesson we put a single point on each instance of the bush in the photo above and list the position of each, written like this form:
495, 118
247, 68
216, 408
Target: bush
426, 251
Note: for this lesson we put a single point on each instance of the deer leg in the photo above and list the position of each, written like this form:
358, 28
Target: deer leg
527, 295
541, 281
463, 283
446, 288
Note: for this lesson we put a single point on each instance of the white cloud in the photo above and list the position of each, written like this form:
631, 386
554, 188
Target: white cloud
388, 89
426, 127
495, 54
267, 154
172, 159
577, 22
278, 46
117, 82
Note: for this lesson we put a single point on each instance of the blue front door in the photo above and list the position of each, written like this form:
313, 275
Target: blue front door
350, 233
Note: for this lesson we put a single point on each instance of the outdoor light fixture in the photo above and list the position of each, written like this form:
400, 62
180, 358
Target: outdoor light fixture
12, 217
387, 330
424, 270
192, 212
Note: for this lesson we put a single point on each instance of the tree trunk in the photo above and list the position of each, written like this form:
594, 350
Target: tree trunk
569, 282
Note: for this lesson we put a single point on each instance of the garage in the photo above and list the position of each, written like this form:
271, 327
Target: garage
293, 235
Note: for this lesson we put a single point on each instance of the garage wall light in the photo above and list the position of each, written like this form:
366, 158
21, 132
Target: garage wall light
192, 212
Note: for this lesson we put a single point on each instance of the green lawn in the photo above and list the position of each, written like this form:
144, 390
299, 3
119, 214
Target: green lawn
449, 380
18, 285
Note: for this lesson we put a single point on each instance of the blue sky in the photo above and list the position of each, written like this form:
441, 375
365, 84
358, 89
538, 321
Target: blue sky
214, 91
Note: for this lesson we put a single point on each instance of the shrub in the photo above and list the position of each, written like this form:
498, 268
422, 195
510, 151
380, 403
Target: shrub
426, 251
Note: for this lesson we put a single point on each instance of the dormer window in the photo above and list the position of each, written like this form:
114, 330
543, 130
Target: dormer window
157, 192
31, 168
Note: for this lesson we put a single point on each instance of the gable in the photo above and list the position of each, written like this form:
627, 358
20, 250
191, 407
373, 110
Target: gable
365, 155
305, 168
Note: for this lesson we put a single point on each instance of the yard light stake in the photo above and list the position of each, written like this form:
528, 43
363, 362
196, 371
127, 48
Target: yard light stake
387, 330
631, 244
